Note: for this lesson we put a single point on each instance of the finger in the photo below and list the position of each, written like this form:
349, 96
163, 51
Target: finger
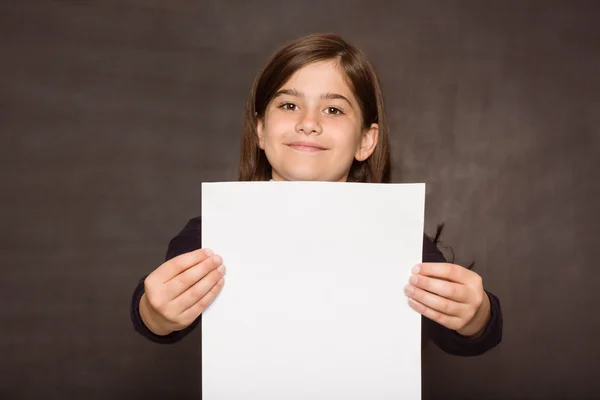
198, 308
450, 272
435, 302
446, 289
191, 276
448, 321
198, 291
177, 265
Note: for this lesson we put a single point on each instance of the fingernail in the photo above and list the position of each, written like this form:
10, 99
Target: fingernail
221, 268
416, 269
409, 290
221, 281
217, 259
413, 279
208, 252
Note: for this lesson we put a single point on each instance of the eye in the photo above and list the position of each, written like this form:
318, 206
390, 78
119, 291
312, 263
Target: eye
288, 106
334, 111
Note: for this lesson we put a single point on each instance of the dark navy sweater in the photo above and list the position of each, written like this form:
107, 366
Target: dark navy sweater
189, 239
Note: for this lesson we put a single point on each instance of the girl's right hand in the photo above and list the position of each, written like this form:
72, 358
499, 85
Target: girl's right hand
178, 291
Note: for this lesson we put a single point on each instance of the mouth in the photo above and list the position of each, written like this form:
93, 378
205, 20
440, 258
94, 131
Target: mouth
306, 147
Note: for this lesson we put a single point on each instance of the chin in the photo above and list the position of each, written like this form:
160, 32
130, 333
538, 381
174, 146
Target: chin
302, 177
307, 170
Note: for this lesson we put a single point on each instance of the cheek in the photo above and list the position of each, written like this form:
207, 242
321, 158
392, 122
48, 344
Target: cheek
276, 127
346, 135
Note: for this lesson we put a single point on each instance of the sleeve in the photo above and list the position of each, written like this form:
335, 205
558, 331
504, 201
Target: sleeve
189, 239
449, 340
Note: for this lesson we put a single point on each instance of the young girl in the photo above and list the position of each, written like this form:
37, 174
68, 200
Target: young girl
316, 112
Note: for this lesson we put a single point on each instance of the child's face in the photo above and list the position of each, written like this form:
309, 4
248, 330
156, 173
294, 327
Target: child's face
312, 129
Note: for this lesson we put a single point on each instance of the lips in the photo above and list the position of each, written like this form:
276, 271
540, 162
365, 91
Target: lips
306, 146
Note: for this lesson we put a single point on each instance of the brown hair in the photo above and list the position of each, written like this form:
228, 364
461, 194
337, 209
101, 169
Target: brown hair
363, 82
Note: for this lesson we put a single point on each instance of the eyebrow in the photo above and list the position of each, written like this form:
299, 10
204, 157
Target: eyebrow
327, 96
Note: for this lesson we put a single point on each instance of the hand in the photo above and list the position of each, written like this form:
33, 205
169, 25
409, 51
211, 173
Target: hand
178, 291
450, 295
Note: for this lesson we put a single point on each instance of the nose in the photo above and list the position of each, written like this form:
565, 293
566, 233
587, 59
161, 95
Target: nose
309, 124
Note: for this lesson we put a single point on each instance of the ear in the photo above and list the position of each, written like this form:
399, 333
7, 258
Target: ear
260, 133
368, 142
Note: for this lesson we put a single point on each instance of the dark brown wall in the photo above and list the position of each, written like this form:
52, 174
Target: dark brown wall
112, 113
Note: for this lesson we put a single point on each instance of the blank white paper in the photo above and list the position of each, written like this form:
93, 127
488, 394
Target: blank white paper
313, 305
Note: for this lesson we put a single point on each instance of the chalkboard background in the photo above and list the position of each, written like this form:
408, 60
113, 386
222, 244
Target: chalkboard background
113, 112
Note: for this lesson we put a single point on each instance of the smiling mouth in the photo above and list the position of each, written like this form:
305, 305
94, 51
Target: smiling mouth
306, 147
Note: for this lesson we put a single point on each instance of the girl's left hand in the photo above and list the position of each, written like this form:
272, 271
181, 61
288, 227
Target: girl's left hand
450, 295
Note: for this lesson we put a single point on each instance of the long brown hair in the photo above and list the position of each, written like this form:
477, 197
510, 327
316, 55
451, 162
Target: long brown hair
360, 76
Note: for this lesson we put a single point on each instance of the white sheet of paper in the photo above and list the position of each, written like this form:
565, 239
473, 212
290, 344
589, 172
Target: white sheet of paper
313, 305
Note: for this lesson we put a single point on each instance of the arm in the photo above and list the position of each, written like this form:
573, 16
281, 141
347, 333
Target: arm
189, 239
449, 340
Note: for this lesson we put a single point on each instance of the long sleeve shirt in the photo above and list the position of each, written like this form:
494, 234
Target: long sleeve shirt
189, 239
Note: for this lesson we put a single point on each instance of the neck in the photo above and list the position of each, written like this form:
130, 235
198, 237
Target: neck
278, 178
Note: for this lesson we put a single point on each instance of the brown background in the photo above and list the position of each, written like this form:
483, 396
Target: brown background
112, 113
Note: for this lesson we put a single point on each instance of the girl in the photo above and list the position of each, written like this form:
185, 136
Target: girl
316, 112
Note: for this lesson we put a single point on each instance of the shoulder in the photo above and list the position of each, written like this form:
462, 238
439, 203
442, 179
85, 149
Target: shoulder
188, 239
193, 224
431, 252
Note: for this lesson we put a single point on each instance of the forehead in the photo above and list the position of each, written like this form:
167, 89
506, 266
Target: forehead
319, 77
